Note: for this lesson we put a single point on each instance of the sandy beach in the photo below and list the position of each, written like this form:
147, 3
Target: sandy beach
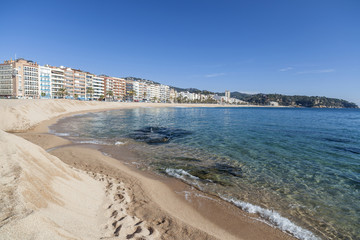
54, 189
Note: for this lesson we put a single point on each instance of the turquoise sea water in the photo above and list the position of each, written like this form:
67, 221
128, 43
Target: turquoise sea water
298, 169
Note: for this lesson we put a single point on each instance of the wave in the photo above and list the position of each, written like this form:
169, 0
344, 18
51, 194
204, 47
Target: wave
62, 134
183, 175
270, 217
274, 219
179, 173
93, 142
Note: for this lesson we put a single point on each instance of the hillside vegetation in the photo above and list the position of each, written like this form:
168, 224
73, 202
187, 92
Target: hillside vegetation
296, 101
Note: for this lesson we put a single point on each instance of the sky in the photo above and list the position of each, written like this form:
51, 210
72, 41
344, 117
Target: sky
294, 47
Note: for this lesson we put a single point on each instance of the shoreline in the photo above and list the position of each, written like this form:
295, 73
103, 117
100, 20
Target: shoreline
179, 217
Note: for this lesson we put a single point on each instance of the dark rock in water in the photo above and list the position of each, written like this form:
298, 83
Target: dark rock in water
348, 149
187, 159
235, 171
220, 173
157, 135
338, 140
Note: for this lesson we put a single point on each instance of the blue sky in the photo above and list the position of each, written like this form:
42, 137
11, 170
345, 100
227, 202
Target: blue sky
305, 47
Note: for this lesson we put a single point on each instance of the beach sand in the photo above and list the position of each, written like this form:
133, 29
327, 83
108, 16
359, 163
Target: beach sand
75, 192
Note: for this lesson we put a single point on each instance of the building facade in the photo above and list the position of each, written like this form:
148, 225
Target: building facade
45, 82
8, 86
79, 84
57, 82
98, 87
22, 78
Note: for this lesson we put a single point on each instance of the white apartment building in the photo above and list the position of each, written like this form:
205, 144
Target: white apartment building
57, 81
154, 92
164, 93
98, 87
136, 89
45, 82
89, 86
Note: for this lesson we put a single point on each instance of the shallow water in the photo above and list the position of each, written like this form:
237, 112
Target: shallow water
302, 164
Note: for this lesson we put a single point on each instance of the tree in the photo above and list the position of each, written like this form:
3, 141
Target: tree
90, 90
43, 94
131, 94
61, 92
110, 94
76, 96
101, 98
179, 99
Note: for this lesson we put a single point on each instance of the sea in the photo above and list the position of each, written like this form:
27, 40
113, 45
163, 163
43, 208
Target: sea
298, 169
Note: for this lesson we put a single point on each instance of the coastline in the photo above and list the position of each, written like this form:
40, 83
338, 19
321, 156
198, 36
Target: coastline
155, 199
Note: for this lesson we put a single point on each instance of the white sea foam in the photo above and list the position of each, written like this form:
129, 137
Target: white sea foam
187, 195
62, 134
274, 219
119, 143
183, 175
93, 142
179, 173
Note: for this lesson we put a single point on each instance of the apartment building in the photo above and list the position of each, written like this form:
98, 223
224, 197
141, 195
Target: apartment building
108, 86
164, 93
136, 95
119, 88
29, 71
19, 79
139, 90
69, 79
57, 82
89, 85
79, 84
130, 90
45, 82
8, 86
154, 92
142, 91
26, 79
115, 86
98, 87
173, 95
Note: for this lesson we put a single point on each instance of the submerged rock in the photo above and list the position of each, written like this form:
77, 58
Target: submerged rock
220, 173
235, 171
157, 135
187, 159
